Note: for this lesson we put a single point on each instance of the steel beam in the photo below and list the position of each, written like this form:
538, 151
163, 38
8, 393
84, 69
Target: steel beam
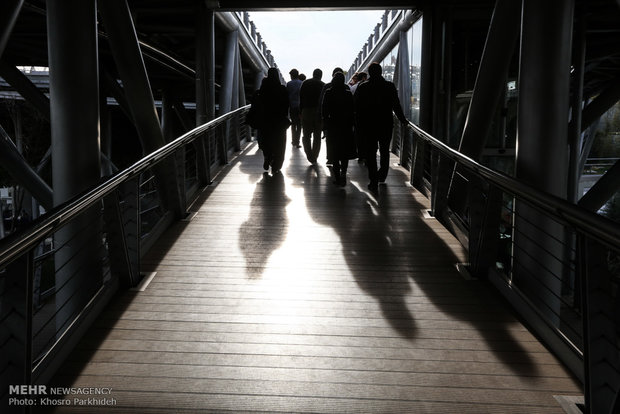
9, 11
116, 91
404, 92
427, 74
119, 26
491, 79
26, 88
599, 105
15, 164
183, 115
574, 128
106, 136
604, 189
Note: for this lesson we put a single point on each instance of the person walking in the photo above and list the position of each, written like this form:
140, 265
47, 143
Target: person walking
375, 100
337, 112
274, 120
293, 87
356, 80
310, 107
327, 137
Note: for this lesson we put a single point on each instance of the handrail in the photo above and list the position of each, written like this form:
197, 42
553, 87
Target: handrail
598, 227
17, 243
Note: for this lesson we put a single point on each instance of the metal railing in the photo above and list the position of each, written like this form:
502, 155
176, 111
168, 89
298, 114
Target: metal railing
558, 264
57, 274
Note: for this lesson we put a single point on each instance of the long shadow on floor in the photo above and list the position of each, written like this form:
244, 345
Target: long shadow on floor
267, 224
391, 250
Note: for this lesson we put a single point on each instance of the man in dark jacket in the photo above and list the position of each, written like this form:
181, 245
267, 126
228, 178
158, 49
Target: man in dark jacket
310, 107
375, 100
293, 87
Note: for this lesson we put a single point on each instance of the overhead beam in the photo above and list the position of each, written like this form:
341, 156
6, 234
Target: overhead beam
283, 5
25, 88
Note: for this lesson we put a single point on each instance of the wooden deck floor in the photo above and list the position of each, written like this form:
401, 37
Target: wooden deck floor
289, 294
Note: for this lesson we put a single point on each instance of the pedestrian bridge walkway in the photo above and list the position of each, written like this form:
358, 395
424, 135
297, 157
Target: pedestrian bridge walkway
287, 293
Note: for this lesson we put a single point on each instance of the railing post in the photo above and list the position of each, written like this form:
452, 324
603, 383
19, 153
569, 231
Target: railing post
484, 221
439, 183
117, 239
129, 197
222, 132
206, 144
237, 131
417, 163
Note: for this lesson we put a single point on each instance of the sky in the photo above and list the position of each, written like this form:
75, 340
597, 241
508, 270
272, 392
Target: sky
315, 39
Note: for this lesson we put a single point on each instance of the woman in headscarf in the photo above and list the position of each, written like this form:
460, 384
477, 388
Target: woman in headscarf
337, 112
274, 102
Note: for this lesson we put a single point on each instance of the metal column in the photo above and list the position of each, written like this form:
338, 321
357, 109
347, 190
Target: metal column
420, 150
542, 153
205, 85
229, 72
404, 92
74, 96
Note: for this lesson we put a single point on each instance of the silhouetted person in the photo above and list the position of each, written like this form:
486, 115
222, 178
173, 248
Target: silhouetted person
274, 120
337, 112
302, 77
293, 87
325, 88
375, 100
310, 106
356, 80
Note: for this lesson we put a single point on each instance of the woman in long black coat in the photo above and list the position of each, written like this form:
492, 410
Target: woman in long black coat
274, 120
337, 113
